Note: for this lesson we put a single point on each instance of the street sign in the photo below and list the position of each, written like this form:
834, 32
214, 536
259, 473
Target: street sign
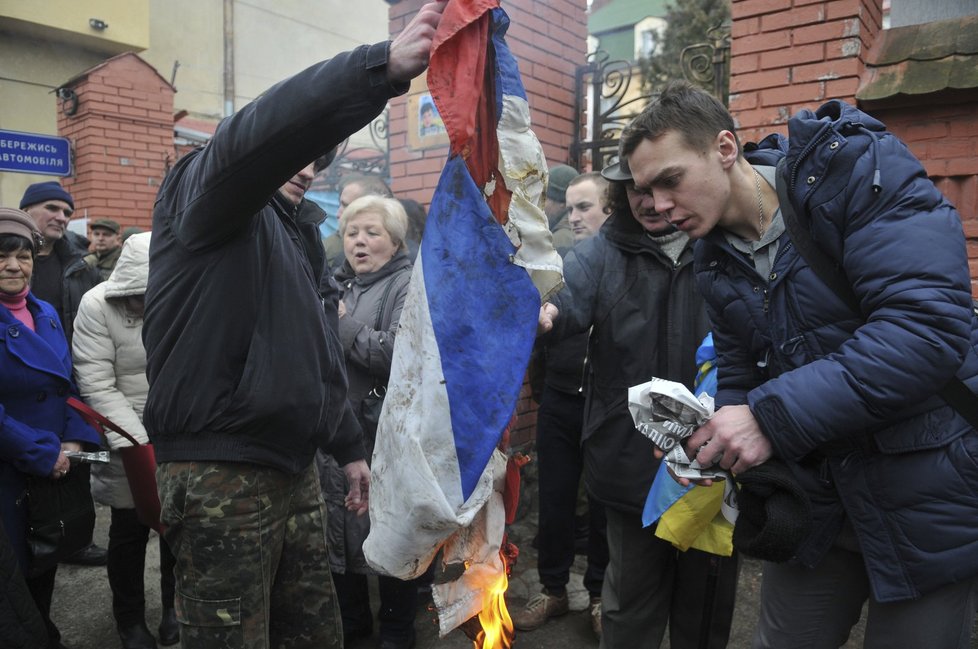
33, 153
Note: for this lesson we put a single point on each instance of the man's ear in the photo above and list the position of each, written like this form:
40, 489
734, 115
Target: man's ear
727, 149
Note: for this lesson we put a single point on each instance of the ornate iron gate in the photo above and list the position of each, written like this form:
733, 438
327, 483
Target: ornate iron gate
609, 94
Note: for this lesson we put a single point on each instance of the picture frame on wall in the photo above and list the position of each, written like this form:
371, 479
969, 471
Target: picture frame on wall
425, 128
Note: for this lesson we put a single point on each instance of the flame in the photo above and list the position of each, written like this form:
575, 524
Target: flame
497, 626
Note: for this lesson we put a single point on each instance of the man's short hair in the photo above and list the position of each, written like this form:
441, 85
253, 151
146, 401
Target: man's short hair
391, 213
599, 181
593, 176
682, 107
369, 185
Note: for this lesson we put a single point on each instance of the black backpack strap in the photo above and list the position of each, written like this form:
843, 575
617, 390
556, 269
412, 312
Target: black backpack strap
799, 230
957, 395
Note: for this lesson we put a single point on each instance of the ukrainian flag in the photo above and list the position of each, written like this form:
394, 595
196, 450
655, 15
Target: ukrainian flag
690, 517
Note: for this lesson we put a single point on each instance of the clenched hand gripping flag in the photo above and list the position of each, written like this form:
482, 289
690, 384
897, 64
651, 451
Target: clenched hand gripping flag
468, 323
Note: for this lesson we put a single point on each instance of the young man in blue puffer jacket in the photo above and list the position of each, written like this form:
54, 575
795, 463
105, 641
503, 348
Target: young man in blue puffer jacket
847, 399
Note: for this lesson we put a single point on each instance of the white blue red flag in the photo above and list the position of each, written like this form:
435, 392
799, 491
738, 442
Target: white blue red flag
468, 323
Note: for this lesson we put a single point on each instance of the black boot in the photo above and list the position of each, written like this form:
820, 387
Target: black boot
169, 631
92, 555
136, 636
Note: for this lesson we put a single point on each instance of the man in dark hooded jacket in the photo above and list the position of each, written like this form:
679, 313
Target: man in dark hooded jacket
633, 286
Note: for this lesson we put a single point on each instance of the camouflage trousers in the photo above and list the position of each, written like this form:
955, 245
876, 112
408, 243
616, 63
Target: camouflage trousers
252, 570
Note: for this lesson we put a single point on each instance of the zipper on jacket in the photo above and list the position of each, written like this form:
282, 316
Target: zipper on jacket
876, 186
587, 358
777, 257
805, 152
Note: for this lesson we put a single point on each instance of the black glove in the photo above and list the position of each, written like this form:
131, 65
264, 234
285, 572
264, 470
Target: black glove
775, 513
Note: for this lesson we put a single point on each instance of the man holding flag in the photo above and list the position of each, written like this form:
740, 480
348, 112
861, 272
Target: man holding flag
247, 377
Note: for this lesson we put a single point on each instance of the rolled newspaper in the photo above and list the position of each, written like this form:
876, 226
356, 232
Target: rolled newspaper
667, 413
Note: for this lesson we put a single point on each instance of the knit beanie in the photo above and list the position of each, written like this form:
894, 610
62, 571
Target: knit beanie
560, 177
46, 191
20, 223
775, 513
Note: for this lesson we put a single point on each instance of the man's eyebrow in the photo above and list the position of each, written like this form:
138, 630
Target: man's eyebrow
665, 173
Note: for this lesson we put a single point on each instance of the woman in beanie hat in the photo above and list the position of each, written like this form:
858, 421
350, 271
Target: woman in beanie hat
36, 424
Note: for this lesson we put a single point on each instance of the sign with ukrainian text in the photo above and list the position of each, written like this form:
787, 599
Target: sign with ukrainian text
33, 153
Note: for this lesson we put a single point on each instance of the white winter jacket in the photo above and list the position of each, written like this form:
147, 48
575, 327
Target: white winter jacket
110, 362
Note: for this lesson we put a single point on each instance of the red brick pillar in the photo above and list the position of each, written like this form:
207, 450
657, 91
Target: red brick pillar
792, 54
122, 138
548, 38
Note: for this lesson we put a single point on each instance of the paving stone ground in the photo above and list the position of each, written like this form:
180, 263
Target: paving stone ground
82, 601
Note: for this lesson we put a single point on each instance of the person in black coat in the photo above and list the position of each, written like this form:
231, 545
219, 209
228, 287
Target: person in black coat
633, 286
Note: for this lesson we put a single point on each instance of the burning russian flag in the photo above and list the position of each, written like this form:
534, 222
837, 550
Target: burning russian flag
468, 325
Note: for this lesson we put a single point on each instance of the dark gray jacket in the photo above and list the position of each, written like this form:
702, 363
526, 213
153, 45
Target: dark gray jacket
648, 320
77, 278
243, 357
371, 299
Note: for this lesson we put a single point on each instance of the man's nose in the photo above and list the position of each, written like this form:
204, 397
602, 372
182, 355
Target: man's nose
660, 203
307, 173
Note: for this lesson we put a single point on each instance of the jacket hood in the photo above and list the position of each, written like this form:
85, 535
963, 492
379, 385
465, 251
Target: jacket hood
768, 152
805, 127
132, 270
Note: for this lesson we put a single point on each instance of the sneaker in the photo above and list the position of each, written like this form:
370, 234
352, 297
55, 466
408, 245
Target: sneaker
539, 609
594, 611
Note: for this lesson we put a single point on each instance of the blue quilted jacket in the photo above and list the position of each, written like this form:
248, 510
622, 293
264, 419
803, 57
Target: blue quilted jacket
849, 399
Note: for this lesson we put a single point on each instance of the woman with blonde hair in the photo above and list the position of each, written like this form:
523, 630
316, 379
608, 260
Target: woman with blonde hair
374, 282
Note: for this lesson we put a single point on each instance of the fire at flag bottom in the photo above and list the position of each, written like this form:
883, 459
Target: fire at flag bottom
467, 329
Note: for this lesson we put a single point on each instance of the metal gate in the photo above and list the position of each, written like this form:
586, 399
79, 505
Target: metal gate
609, 95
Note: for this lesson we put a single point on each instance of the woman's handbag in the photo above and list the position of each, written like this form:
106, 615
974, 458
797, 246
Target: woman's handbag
139, 461
60, 518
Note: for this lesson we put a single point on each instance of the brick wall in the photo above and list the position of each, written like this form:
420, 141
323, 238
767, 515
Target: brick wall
792, 54
548, 39
122, 138
944, 136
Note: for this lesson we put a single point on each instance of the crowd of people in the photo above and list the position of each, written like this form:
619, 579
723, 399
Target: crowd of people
263, 441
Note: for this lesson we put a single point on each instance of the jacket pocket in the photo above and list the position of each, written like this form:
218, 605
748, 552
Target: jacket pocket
963, 456
932, 429
208, 612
